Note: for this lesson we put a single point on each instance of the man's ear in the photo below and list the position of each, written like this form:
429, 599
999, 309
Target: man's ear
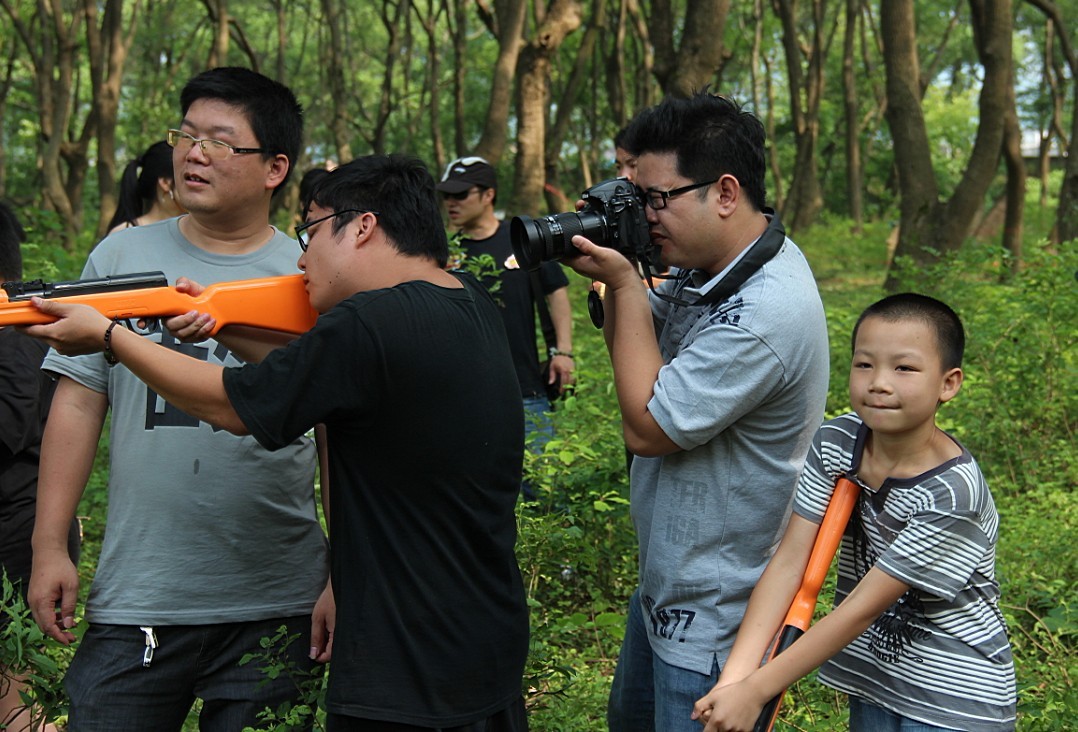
728, 190
277, 171
364, 228
951, 383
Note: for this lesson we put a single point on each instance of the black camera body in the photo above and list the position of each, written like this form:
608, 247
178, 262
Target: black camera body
613, 216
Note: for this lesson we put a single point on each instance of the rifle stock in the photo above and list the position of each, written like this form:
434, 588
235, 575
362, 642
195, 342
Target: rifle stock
270, 303
799, 616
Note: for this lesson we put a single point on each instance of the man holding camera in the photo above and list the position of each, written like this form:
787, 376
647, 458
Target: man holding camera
469, 188
721, 376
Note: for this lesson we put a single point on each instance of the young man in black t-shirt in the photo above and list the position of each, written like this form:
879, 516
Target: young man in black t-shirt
409, 370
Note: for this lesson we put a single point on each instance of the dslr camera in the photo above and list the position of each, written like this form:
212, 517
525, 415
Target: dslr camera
613, 216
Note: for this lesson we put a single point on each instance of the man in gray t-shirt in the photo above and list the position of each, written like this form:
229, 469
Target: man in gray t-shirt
721, 377
212, 542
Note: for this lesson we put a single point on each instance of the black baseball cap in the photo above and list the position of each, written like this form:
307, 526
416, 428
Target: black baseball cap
463, 173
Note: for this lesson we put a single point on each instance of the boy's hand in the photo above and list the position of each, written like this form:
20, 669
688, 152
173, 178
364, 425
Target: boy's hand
729, 708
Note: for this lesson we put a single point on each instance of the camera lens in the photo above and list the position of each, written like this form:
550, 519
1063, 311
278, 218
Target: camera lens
541, 240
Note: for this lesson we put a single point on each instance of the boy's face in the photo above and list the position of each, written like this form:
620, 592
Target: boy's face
897, 378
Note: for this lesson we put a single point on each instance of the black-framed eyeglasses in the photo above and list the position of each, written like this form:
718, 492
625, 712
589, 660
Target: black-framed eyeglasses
462, 196
213, 149
305, 238
657, 199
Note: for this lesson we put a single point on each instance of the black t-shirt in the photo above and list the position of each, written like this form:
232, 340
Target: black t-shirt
25, 395
515, 302
425, 432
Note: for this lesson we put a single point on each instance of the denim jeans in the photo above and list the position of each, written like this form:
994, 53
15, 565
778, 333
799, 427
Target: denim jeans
538, 431
112, 690
867, 717
648, 694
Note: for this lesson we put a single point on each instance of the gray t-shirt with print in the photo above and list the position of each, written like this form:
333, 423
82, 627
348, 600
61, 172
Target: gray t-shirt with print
742, 391
203, 526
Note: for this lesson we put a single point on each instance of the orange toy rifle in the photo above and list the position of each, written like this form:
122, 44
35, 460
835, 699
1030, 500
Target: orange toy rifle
799, 616
271, 303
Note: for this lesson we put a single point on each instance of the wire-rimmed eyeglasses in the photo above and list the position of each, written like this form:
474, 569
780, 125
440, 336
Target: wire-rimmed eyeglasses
305, 238
214, 149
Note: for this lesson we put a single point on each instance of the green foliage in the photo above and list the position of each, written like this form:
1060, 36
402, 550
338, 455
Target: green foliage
26, 655
274, 663
577, 548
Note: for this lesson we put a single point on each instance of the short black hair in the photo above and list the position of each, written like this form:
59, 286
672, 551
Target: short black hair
937, 315
11, 238
138, 185
711, 136
276, 118
619, 138
401, 189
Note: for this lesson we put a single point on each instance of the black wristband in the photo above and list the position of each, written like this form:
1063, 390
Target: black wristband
555, 352
110, 357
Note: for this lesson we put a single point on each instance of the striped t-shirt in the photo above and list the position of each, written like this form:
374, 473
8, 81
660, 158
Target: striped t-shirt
940, 655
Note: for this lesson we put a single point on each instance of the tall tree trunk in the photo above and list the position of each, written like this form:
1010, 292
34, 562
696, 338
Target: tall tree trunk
562, 18
108, 47
854, 173
1016, 179
1067, 213
556, 198
51, 43
333, 58
693, 63
805, 197
927, 225
509, 30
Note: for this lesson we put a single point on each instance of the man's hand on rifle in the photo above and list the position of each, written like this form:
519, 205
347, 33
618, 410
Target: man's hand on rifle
80, 329
193, 326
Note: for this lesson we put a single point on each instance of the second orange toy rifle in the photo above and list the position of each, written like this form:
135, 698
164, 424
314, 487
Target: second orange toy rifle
803, 606
270, 303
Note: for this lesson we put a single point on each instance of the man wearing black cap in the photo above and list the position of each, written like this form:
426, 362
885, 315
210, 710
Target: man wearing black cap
469, 188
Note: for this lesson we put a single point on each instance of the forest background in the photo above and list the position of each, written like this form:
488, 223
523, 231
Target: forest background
912, 145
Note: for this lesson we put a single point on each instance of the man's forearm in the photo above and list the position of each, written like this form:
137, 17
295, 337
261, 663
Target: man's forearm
193, 386
561, 315
636, 359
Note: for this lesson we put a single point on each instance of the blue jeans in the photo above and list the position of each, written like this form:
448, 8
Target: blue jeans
112, 691
867, 717
648, 694
538, 431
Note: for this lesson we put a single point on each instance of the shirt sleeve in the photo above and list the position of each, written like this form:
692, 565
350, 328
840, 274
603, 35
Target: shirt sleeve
307, 382
552, 277
712, 382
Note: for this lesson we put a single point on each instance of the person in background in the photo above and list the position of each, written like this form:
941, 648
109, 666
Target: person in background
147, 190
25, 394
624, 161
212, 542
469, 188
916, 637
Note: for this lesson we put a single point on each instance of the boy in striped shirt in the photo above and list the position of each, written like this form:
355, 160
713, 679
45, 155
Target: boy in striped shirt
916, 638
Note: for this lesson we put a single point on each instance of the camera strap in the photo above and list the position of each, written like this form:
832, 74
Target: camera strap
761, 252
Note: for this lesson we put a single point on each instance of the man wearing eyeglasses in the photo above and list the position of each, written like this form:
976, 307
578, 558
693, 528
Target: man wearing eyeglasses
469, 188
721, 378
409, 370
212, 542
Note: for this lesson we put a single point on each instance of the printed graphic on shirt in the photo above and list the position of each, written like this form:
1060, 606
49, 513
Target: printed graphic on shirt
670, 623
